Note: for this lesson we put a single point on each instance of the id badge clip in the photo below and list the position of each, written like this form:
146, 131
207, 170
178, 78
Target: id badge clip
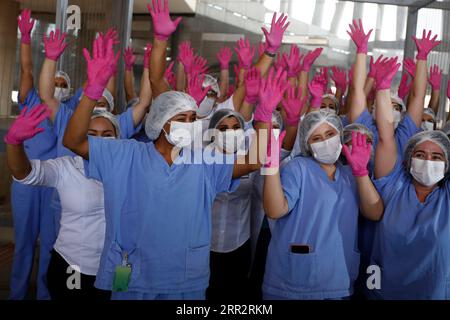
122, 275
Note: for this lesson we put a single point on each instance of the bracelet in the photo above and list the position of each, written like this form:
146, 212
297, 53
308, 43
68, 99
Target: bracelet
272, 55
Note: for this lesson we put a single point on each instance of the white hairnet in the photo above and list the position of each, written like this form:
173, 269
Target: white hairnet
435, 136
65, 76
430, 112
221, 114
356, 127
211, 81
310, 123
396, 99
278, 119
166, 106
101, 113
109, 98
335, 100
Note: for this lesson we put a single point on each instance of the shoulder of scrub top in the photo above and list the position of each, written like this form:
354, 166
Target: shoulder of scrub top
32, 99
73, 102
393, 182
405, 130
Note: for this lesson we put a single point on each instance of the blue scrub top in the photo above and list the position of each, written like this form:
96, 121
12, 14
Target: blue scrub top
324, 215
405, 130
125, 119
73, 102
412, 242
43, 145
159, 214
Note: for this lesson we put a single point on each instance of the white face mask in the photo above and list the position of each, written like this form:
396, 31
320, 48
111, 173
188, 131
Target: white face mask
181, 133
327, 151
61, 94
427, 126
328, 110
230, 141
206, 106
427, 172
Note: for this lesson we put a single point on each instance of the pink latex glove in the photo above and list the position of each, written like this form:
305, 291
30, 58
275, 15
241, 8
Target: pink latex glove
316, 90
162, 25
199, 66
100, 68
310, 58
339, 76
277, 29
322, 77
270, 94
186, 56
110, 34
245, 53
26, 125
170, 76
293, 105
404, 87
280, 62
410, 66
25, 24
129, 59
425, 45
358, 36
147, 54
293, 61
224, 57
261, 48
252, 82
385, 73
274, 148
373, 66
54, 45
195, 88
359, 156
435, 78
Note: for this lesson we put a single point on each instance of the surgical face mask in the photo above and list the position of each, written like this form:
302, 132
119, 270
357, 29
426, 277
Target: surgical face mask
397, 118
230, 141
331, 110
61, 94
181, 133
427, 126
327, 151
206, 107
427, 172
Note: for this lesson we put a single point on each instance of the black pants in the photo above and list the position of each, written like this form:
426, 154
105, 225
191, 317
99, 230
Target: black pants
57, 278
259, 264
229, 274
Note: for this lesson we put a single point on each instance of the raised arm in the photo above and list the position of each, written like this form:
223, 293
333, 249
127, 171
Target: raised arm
358, 97
293, 63
270, 94
252, 83
224, 57
129, 59
308, 61
24, 127
339, 76
404, 88
145, 98
54, 47
435, 82
386, 151
416, 98
26, 63
99, 69
163, 27
358, 158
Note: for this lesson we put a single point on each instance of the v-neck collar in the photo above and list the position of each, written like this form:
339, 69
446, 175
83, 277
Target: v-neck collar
161, 160
413, 194
322, 171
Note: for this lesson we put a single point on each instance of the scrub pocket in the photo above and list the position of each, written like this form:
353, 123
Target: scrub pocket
114, 259
197, 262
302, 270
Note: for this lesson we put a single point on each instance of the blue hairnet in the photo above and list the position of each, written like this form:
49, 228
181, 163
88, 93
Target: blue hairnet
435, 136
166, 106
310, 123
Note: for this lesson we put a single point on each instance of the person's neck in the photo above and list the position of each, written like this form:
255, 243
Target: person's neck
166, 149
422, 191
330, 170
